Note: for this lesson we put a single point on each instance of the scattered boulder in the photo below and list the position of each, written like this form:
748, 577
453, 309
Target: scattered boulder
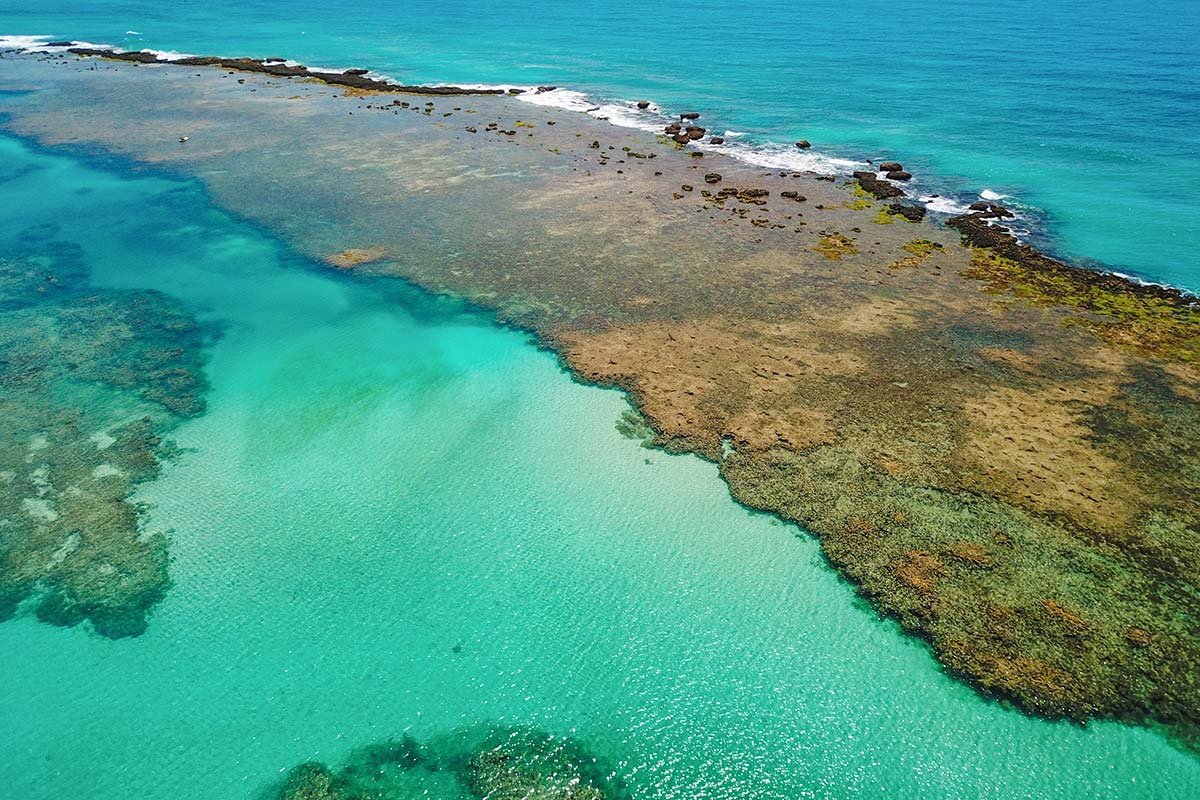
712, 177
912, 213
673, 129
991, 210
890, 166
695, 133
882, 190
687, 187
899, 175
544, 89
515, 91
356, 71
690, 115
804, 144
643, 104
681, 138
716, 140
755, 197
790, 195
594, 146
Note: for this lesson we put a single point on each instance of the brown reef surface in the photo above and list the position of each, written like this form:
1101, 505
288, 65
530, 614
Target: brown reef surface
999, 450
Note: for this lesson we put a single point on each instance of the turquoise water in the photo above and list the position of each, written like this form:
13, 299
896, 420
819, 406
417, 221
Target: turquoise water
396, 517
1081, 110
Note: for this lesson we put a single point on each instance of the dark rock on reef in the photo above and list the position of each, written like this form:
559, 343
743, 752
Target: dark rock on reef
890, 166
544, 89
912, 213
712, 177
790, 195
59, 44
751, 196
673, 129
716, 140
977, 231
690, 115
643, 104
695, 133
354, 79
687, 187
899, 175
681, 138
991, 210
594, 145
882, 190
804, 144
356, 71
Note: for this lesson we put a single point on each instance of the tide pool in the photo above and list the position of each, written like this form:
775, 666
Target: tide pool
1079, 110
395, 517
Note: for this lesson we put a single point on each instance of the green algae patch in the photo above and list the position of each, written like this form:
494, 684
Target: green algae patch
834, 246
859, 204
91, 380
1147, 322
920, 250
506, 763
883, 217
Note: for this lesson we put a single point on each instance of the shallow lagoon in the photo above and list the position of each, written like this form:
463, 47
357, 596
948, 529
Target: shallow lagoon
395, 517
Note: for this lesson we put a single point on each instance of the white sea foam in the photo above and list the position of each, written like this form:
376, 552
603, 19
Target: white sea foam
169, 55
625, 115
778, 156
133, 33
988, 194
23, 42
944, 205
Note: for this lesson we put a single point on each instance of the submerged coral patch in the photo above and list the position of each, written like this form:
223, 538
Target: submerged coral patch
90, 380
505, 763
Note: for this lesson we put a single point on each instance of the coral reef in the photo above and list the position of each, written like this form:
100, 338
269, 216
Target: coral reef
506, 763
995, 447
90, 380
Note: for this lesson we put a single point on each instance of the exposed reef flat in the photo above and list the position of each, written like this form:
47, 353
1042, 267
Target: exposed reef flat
998, 449
90, 380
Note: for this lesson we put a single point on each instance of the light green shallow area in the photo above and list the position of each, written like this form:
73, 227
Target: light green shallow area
396, 517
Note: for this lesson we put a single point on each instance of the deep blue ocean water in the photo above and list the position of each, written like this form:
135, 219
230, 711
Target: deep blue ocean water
1081, 110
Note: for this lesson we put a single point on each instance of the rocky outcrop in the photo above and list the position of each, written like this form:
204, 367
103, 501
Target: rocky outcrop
912, 213
352, 78
882, 190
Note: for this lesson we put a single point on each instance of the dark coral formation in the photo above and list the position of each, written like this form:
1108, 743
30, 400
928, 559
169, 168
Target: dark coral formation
89, 382
351, 78
498, 764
